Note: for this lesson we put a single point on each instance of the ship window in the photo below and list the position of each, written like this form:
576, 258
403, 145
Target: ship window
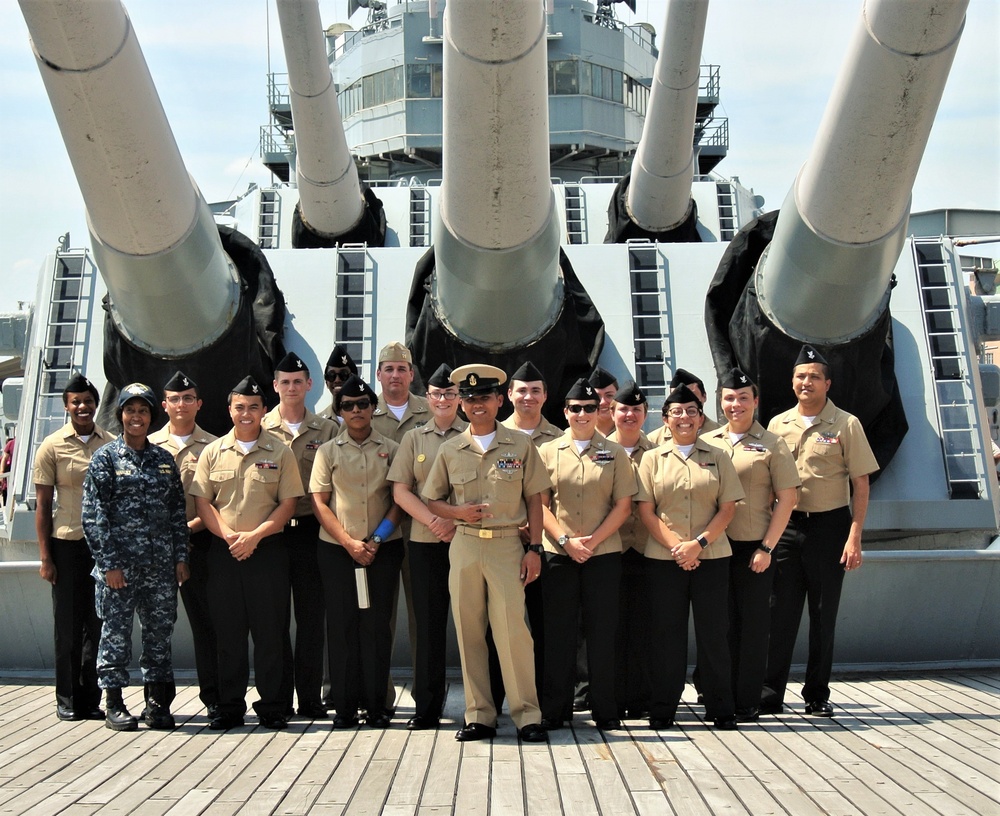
616, 86
585, 76
606, 79
597, 85
368, 91
563, 77
418, 81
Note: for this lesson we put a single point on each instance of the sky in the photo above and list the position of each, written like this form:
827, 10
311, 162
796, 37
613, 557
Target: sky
210, 60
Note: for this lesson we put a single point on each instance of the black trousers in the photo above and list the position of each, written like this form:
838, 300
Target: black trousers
249, 598
670, 592
194, 596
749, 622
807, 568
77, 628
303, 665
571, 589
632, 643
359, 640
429, 567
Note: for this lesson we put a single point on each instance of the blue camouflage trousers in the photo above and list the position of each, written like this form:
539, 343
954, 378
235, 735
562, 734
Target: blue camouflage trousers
151, 592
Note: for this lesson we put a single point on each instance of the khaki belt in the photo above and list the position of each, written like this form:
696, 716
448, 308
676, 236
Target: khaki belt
488, 532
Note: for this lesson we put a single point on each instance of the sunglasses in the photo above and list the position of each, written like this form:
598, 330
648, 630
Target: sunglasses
334, 376
362, 404
589, 408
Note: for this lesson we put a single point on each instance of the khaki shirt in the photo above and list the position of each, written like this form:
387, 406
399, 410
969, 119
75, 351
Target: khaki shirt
413, 462
586, 486
765, 466
61, 462
416, 414
662, 434
246, 487
544, 432
186, 458
357, 478
828, 455
687, 493
313, 432
504, 476
633, 532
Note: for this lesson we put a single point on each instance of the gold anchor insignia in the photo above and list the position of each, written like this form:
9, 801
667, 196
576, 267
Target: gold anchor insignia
473, 380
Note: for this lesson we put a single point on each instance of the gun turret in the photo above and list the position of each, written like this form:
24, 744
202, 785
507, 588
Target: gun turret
175, 295
495, 282
334, 207
821, 270
654, 200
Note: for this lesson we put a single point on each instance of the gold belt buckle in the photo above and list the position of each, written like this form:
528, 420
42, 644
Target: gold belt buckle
485, 533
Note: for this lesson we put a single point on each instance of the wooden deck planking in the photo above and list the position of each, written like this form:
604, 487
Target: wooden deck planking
919, 745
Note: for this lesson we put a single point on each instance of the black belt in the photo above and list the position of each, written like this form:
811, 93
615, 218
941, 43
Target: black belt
801, 514
302, 521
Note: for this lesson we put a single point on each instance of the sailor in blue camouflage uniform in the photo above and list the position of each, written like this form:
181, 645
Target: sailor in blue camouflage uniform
135, 525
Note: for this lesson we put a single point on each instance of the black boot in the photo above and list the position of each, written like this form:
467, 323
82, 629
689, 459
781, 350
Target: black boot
157, 712
118, 718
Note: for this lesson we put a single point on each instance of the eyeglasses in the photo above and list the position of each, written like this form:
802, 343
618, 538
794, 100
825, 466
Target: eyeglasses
187, 399
589, 408
679, 412
362, 404
447, 396
334, 376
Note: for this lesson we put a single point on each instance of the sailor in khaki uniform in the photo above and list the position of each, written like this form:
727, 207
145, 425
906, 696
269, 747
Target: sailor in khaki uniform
352, 497
770, 482
592, 487
430, 538
490, 480
339, 368
246, 487
823, 537
60, 467
688, 491
186, 441
303, 432
606, 386
682, 377
632, 643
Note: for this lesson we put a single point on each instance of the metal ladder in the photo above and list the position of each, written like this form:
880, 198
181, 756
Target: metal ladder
269, 219
651, 322
420, 217
355, 305
726, 196
576, 222
958, 414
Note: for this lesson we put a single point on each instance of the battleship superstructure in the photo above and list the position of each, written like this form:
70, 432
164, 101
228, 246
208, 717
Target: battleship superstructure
484, 186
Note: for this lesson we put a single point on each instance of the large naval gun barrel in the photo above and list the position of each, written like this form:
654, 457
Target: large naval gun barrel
495, 283
654, 200
176, 298
334, 207
820, 271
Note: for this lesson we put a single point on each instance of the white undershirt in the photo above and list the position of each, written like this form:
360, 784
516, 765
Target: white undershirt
397, 410
247, 446
581, 444
180, 441
294, 427
485, 441
685, 450
809, 421
629, 450
735, 437
84, 439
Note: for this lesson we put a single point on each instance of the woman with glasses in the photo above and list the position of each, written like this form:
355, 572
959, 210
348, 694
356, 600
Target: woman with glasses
428, 549
352, 498
688, 491
592, 488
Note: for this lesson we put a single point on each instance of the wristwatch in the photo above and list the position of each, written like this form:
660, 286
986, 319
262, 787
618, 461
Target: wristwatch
535, 548
702, 540
765, 548
562, 541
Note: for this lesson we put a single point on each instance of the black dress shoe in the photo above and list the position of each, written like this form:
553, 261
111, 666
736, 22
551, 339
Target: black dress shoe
380, 719
819, 708
475, 731
93, 714
751, 714
348, 720
552, 723
68, 714
212, 710
638, 713
273, 722
660, 723
771, 708
422, 722
313, 711
533, 733
608, 723
581, 704
725, 723
223, 722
